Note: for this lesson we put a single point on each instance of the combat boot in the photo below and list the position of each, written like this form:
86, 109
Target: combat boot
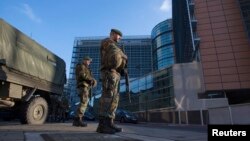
117, 129
105, 127
78, 122
100, 125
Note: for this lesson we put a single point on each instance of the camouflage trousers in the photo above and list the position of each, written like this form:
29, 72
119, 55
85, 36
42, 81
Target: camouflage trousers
83, 93
110, 94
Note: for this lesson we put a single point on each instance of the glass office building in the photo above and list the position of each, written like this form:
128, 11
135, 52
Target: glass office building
162, 45
137, 48
186, 39
154, 90
211, 70
245, 11
150, 92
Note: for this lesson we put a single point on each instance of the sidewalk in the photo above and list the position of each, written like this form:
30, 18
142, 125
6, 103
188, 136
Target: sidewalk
131, 132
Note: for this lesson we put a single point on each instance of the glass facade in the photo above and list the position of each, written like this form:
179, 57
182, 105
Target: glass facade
162, 45
82, 47
150, 92
155, 90
137, 48
186, 39
245, 10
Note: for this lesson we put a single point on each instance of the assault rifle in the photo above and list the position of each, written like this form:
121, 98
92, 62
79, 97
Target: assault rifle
125, 73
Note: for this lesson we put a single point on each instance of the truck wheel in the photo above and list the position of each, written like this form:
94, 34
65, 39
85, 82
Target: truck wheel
35, 111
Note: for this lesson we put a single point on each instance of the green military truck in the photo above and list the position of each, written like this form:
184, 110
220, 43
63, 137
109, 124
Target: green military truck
30, 75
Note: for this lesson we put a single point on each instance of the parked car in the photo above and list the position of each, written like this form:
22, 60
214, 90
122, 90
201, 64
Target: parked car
125, 116
89, 116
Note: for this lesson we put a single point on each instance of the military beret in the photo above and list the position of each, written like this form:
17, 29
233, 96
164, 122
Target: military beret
116, 31
87, 58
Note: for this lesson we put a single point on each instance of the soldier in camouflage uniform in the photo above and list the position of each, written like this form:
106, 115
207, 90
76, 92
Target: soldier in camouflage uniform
85, 81
113, 61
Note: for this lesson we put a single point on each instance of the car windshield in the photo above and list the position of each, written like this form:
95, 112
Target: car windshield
128, 113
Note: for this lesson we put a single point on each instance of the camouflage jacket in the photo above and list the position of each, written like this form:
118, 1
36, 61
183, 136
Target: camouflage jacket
112, 56
83, 76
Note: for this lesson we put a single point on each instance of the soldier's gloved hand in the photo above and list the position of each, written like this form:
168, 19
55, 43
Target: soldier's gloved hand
125, 57
93, 83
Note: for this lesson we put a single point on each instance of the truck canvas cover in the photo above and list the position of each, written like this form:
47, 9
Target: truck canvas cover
20, 53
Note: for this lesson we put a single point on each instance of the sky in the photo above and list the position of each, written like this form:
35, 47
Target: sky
56, 23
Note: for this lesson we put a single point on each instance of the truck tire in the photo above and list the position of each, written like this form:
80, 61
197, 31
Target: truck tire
35, 111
